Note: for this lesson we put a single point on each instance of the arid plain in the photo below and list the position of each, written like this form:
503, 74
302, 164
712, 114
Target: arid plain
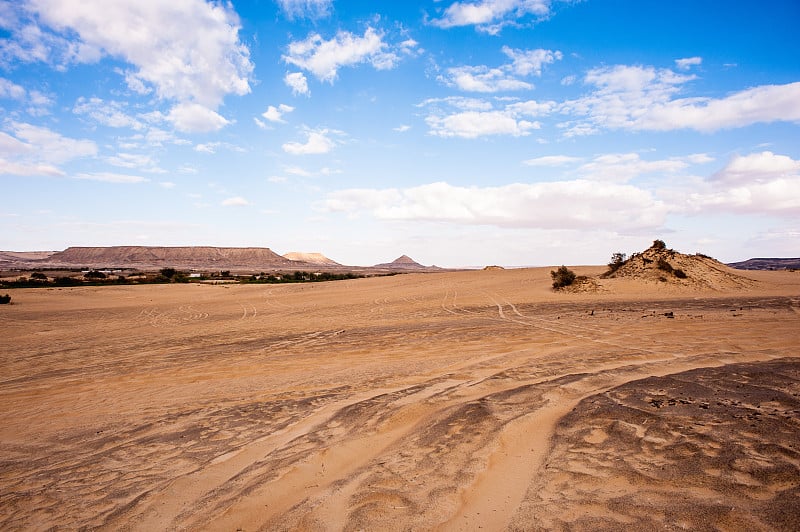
438, 401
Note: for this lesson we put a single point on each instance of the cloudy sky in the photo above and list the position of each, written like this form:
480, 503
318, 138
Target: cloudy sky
461, 133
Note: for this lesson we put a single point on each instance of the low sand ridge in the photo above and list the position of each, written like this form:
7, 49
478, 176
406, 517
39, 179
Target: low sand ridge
447, 401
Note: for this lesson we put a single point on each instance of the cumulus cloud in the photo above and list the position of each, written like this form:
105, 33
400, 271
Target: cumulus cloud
195, 63
275, 114
483, 79
310, 9
760, 183
762, 104
475, 118
645, 99
593, 205
622, 167
530, 62
49, 146
758, 167
199, 60
108, 113
491, 15
688, 62
323, 58
9, 89
195, 118
503, 78
317, 142
297, 82
474, 124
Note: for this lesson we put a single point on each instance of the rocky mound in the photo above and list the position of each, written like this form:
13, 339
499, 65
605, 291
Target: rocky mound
311, 258
403, 262
177, 257
662, 265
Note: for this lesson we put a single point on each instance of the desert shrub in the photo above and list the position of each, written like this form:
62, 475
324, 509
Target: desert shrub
169, 273
617, 260
38, 276
562, 277
5, 300
659, 244
664, 265
94, 274
680, 274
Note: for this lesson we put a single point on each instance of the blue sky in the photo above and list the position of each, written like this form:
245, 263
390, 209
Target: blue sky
461, 133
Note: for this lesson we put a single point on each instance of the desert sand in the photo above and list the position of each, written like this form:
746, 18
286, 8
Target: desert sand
441, 401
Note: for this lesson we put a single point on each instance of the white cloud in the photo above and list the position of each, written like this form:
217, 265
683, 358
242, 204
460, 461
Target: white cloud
199, 60
527, 62
324, 58
260, 123
236, 201
643, 99
49, 146
688, 62
503, 78
167, 184
483, 79
108, 113
759, 183
310, 9
474, 124
317, 142
28, 169
297, 82
552, 160
195, 118
212, 147
592, 205
477, 118
757, 167
9, 89
531, 108
275, 114
132, 160
458, 102
109, 177
699, 158
491, 15
622, 167
401, 128
762, 104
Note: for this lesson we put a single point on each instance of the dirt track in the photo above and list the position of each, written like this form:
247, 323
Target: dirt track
451, 401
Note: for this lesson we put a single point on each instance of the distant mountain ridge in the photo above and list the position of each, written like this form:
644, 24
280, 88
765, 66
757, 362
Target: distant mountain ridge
251, 259
766, 264
179, 257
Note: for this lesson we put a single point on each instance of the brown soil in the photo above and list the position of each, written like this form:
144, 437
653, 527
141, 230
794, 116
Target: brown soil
452, 401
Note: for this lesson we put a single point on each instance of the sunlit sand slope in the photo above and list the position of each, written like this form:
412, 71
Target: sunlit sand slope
447, 401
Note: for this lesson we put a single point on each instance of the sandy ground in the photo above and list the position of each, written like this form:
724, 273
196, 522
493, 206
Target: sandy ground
453, 401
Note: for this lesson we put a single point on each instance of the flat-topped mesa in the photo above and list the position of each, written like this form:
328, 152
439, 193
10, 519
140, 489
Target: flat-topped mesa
179, 256
311, 258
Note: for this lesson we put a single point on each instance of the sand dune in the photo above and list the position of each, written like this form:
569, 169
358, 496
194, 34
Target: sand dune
447, 401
